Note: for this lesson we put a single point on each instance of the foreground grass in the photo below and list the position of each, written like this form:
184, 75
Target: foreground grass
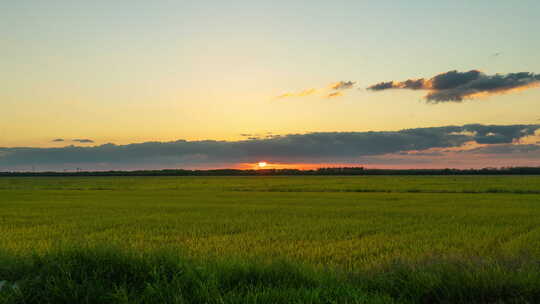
108, 275
270, 239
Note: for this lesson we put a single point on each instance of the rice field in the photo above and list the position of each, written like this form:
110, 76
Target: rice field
301, 239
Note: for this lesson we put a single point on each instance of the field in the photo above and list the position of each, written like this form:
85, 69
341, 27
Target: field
303, 239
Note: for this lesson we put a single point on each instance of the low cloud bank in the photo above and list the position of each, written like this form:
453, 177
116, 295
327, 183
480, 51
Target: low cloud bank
324, 147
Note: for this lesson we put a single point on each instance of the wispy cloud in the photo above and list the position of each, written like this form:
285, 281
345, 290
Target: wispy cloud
328, 92
334, 94
77, 140
83, 140
454, 86
342, 85
302, 93
253, 136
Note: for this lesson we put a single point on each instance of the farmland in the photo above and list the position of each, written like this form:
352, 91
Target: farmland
272, 239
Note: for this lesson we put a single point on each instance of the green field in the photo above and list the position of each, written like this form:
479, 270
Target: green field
303, 239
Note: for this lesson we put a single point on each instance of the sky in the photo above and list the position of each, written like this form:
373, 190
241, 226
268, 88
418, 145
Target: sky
92, 73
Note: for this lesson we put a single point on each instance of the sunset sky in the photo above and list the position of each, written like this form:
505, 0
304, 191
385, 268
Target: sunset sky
252, 77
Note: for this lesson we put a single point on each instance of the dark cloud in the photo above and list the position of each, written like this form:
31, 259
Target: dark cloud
452, 80
83, 141
79, 140
454, 86
499, 134
414, 84
303, 148
382, 86
342, 85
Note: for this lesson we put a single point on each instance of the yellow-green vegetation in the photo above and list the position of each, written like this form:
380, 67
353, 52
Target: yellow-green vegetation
303, 239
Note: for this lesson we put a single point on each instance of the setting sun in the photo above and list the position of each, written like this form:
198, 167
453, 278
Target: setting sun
262, 164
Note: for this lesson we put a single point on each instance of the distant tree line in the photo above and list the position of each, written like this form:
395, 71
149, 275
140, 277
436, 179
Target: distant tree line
275, 172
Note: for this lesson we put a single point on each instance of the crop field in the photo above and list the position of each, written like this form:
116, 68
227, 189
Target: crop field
301, 239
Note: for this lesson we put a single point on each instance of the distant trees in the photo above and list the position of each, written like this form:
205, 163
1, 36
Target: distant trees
272, 172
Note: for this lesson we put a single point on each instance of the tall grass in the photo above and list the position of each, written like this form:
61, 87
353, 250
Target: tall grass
113, 275
270, 240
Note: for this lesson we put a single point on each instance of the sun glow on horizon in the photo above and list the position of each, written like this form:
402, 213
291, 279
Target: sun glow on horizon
265, 165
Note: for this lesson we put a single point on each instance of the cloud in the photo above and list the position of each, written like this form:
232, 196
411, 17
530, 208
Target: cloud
321, 147
454, 86
500, 134
506, 149
342, 85
252, 136
334, 94
58, 140
382, 86
500, 155
338, 86
83, 141
303, 93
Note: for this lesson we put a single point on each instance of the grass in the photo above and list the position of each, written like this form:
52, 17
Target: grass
306, 239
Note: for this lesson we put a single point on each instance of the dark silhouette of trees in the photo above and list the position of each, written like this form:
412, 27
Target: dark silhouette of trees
275, 172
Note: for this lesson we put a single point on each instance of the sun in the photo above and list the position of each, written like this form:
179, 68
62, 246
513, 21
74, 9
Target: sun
262, 164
